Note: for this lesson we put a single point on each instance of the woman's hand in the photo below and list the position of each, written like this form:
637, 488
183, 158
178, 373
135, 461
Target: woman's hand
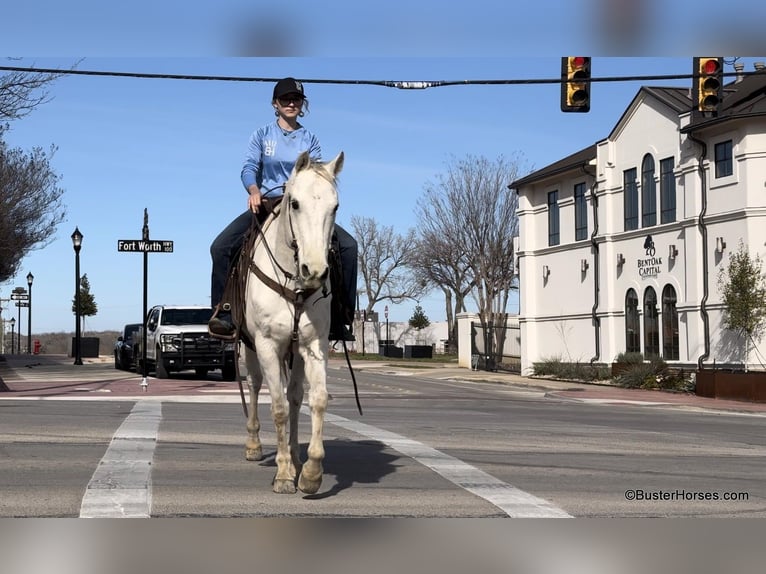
254, 199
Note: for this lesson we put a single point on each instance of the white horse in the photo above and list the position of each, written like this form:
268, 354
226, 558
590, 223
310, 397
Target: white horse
287, 315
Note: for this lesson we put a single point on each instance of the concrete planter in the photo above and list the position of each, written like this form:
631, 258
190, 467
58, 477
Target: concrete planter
418, 351
735, 385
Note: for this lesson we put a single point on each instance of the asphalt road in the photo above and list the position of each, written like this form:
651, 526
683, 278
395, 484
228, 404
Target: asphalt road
424, 447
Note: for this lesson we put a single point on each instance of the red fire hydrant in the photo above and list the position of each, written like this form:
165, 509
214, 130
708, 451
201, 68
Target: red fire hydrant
36, 347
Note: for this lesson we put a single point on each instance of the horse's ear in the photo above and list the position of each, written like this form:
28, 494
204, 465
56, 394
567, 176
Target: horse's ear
336, 165
303, 161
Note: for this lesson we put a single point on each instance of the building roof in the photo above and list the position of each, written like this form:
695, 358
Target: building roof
745, 98
577, 159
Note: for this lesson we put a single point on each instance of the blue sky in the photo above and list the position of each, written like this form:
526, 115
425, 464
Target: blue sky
176, 148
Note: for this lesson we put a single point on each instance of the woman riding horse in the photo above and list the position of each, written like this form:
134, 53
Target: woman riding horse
271, 156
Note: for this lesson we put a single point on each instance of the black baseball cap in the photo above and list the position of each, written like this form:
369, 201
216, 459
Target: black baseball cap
287, 86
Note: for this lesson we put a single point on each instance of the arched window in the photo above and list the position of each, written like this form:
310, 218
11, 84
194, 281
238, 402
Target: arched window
648, 193
651, 324
632, 324
669, 324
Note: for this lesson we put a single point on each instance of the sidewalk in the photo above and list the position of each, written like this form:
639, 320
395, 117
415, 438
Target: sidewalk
125, 383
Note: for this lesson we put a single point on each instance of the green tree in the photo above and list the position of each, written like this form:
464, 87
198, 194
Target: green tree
743, 292
419, 320
88, 306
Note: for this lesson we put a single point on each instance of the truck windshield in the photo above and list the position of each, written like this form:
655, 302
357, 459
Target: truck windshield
186, 316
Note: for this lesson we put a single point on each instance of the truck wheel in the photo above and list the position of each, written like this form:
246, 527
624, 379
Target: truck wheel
229, 373
161, 370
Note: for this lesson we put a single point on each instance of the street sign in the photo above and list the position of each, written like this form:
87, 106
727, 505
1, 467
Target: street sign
144, 246
19, 296
385, 311
22, 304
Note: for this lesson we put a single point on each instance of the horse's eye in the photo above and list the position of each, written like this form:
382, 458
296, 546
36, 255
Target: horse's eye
335, 209
294, 204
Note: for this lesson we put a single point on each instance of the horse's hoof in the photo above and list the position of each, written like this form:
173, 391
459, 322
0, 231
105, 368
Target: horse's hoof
283, 486
253, 453
309, 486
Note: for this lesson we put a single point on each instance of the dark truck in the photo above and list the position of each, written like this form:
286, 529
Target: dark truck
124, 358
177, 339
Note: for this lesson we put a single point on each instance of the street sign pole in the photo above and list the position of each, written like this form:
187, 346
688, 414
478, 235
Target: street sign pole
145, 246
145, 237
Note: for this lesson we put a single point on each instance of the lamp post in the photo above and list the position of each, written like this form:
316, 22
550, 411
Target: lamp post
30, 278
13, 331
77, 243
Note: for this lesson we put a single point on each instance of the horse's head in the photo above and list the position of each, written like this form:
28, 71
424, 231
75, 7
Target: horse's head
310, 203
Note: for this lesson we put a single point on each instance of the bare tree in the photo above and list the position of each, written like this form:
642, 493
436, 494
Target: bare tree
384, 256
30, 199
22, 91
439, 263
468, 220
30, 204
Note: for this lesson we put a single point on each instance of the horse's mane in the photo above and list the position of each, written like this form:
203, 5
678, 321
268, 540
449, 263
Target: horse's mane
318, 168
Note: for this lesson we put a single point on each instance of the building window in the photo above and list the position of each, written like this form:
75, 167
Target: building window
651, 324
630, 188
581, 213
667, 191
723, 163
669, 324
553, 218
648, 193
632, 325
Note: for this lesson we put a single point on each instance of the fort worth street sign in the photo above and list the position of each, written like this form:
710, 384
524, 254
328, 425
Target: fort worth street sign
144, 246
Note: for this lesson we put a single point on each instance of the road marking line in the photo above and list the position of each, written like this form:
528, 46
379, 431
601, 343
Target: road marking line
511, 500
121, 485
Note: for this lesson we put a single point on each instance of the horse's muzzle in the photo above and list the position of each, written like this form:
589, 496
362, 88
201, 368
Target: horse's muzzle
313, 278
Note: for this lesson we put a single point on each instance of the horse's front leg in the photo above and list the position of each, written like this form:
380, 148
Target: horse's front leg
295, 399
253, 447
272, 369
315, 366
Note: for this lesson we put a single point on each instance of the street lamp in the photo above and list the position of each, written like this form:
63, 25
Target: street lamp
30, 278
13, 332
77, 243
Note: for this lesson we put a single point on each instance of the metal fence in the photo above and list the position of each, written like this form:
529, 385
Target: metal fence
498, 347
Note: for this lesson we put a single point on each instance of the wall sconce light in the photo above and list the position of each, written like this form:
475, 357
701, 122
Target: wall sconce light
546, 272
672, 252
584, 265
620, 260
720, 244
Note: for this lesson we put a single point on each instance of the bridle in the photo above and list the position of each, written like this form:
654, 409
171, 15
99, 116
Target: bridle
298, 295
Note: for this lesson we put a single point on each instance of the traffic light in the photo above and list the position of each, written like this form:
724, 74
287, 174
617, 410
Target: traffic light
708, 86
575, 84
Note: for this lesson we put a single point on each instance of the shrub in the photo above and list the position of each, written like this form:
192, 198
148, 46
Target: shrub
555, 367
629, 358
653, 374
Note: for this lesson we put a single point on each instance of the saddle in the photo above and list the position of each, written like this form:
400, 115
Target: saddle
233, 299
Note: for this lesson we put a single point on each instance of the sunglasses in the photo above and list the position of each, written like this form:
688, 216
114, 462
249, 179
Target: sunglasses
285, 100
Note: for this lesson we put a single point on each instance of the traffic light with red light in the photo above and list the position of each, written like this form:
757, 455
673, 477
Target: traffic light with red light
575, 84
707, 90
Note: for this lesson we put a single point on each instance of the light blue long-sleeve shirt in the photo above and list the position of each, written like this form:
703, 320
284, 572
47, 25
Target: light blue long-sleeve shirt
271, 155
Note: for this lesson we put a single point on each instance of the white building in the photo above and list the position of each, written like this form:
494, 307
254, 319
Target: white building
621, 243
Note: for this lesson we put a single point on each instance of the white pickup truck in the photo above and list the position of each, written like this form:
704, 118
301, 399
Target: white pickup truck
177, 339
